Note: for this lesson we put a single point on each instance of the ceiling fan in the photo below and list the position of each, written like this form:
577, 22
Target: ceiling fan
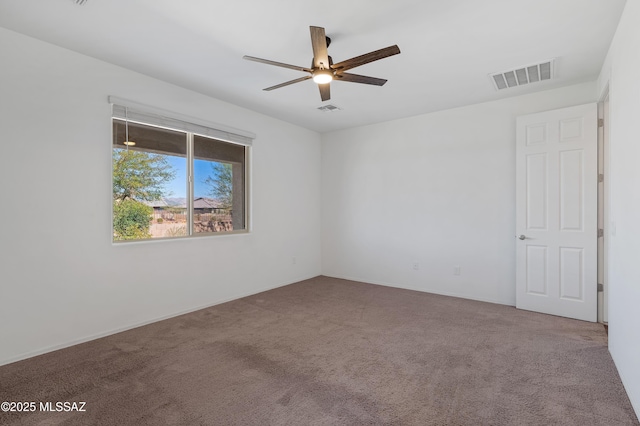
323, 70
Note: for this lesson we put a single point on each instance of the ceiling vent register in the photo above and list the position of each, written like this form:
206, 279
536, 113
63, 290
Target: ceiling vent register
328, 108
523, 75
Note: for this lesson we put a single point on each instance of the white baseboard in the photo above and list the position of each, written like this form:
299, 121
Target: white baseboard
84, 339
423, 290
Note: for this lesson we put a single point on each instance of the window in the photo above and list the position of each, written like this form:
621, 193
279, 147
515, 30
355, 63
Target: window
172, 178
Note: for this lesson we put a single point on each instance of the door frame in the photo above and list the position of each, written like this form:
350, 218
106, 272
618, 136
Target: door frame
604, 205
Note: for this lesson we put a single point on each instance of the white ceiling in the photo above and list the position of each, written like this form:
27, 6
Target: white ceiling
448, 47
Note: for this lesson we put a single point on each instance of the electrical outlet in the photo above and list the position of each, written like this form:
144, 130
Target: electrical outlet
416, 266
456, 270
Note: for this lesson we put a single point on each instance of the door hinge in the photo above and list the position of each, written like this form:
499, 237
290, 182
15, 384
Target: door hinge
600, 177
600, 287
600, 122
600, 233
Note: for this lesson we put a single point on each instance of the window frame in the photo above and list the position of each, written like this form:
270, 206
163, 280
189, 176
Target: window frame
241, 138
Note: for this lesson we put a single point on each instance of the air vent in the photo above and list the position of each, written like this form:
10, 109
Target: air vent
523, 75
328, 108
79, 2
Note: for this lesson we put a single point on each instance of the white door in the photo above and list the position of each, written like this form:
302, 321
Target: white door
556, 212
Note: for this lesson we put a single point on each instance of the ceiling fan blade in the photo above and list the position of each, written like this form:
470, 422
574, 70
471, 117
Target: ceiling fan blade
297, 80
278, 64
366, 58
319, 44
355, 78
325, 91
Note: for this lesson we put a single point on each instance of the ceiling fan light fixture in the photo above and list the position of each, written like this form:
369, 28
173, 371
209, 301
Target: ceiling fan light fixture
322, 76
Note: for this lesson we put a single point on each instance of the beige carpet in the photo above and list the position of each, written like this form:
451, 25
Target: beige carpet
333, 352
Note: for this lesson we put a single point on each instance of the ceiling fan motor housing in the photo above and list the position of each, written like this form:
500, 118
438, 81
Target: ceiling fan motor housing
330, 61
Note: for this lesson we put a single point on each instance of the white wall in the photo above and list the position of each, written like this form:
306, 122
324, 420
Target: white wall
437, 189
62, 279
621, 71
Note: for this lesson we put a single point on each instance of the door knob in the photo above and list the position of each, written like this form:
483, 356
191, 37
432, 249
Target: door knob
522, 237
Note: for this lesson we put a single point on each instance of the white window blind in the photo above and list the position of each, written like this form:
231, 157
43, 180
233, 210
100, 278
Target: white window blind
134, 112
